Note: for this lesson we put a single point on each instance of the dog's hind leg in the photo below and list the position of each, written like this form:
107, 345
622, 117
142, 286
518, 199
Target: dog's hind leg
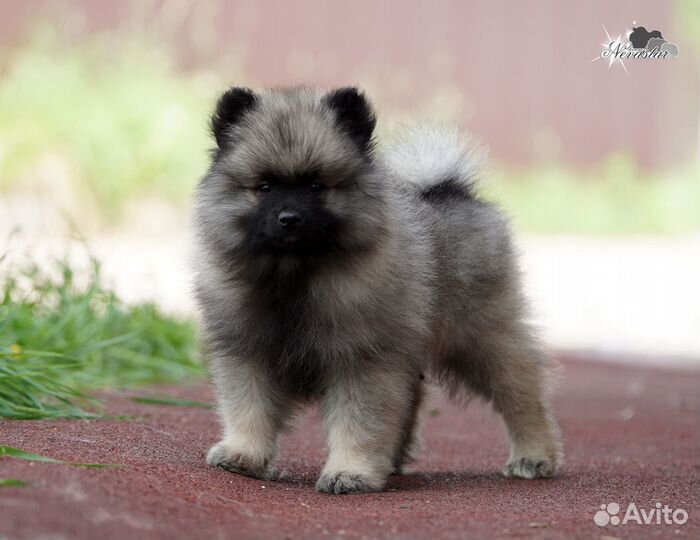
512, 372
519, 397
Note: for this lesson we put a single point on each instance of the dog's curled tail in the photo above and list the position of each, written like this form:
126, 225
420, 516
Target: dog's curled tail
438, 161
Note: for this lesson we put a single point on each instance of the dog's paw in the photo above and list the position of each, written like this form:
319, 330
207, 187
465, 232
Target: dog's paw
225, 457
340, 483
530, 468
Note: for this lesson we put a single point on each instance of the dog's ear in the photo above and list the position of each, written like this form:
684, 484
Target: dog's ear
230, 109
354, 115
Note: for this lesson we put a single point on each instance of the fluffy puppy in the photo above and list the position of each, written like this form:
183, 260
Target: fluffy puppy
327, 271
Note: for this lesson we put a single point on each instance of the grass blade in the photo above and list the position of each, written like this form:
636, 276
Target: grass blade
13, 482
9, 451
168, 400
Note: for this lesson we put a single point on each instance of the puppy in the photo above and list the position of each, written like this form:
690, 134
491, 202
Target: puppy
328, 271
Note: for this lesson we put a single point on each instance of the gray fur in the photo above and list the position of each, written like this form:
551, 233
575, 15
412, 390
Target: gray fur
421, 279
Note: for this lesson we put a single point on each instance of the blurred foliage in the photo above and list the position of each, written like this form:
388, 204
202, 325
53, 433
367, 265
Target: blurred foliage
62, 334
687, 16
108, 118
614, 198
114, 115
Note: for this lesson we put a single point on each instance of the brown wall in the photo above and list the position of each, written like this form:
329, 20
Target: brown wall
517, 74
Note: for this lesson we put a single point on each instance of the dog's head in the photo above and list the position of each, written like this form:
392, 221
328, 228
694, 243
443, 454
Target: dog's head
292, 175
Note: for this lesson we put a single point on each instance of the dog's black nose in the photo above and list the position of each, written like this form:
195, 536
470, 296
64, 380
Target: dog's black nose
289, 218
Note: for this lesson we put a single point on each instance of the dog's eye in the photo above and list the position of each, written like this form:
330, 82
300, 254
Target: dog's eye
265, 188
316, 186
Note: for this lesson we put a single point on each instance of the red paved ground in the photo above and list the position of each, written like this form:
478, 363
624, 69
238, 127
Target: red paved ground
632, 435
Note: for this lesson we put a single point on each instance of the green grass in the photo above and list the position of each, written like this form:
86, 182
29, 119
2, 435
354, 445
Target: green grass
62, 336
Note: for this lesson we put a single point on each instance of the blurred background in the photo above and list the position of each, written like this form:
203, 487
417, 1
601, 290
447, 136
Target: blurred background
104, 111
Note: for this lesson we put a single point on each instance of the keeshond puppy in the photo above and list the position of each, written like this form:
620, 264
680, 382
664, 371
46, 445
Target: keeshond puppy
330, 271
